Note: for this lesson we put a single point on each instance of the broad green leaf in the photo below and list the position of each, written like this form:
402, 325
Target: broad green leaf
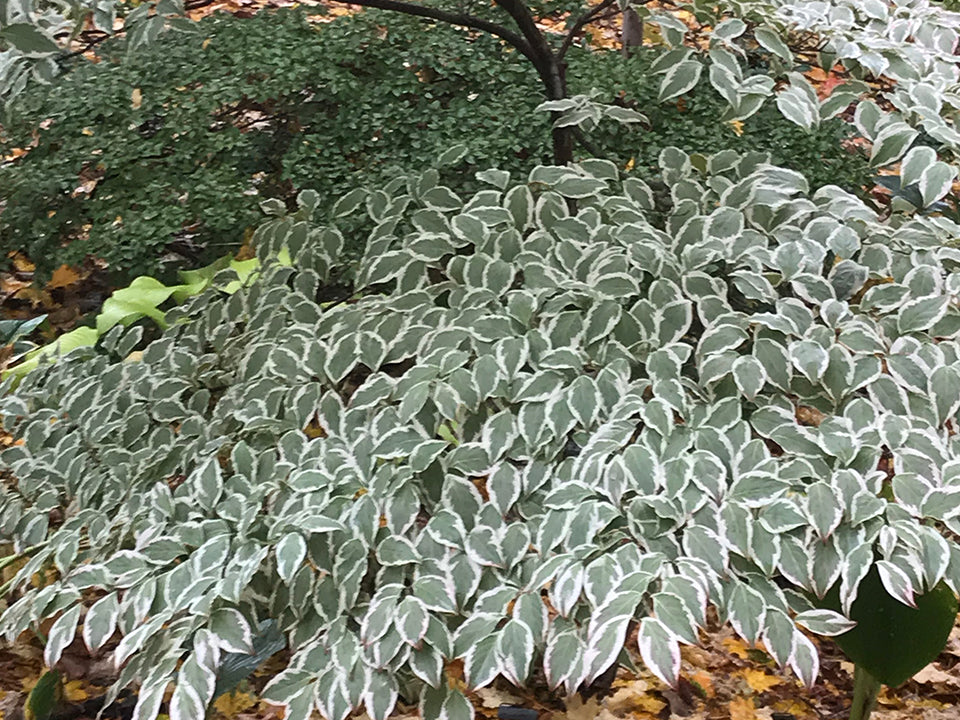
659, 650
679, 79
290, 552
28, 39
891, 143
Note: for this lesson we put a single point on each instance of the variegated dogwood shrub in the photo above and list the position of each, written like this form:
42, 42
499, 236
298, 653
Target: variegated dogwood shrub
559, 409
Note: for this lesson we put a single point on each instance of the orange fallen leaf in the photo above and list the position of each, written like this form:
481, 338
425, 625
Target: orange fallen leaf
63, 276
809, 416
705, 681
742, 709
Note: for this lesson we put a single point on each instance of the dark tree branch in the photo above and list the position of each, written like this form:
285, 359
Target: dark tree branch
586, 143
543, 57
452, 18
550, 69
582, 21
530, 42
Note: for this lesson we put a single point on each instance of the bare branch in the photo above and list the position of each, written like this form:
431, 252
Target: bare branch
452, 18
582, 21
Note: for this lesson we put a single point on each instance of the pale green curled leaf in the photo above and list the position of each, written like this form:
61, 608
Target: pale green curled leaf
498, 178
81, 337
452, 156
671, 27
290, 552
141, 298
624, 115
809, 358
805, 661
231, 631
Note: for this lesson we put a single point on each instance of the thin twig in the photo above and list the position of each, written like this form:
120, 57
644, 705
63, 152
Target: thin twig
583, 20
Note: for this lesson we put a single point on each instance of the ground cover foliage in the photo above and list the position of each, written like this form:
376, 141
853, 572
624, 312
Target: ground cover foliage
530, 432
545, 415
163, 165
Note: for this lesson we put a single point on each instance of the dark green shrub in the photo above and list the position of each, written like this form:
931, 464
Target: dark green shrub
245, 109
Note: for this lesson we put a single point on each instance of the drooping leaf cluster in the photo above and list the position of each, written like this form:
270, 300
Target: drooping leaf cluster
746, 397
163, 164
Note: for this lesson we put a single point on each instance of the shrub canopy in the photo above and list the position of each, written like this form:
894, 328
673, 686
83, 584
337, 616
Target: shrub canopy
244, 109
742, 395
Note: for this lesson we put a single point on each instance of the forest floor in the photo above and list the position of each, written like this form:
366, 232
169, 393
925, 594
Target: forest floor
721, 679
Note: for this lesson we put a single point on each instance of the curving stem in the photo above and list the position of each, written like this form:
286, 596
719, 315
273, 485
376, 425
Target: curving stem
865, 691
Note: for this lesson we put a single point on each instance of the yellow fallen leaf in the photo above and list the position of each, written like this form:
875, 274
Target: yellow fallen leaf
630, 163
231, 704
737, 126
86, 131
793, 707
20, 262
889, 698
634, 697
928, 703
74, 691
136, 99
736, 646
758, 680
742, 709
